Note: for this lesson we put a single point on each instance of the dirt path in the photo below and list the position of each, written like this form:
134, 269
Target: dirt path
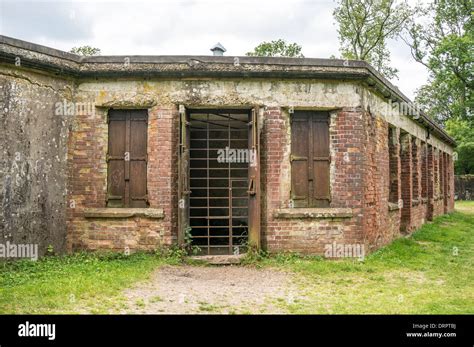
219, 289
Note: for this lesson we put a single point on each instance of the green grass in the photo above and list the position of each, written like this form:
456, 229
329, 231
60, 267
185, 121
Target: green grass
79, 283
430, 272
207, 307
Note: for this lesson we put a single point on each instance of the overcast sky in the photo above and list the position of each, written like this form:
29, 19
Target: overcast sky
188, 27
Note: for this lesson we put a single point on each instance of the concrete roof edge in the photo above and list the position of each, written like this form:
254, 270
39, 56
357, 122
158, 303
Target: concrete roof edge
34, 47
373, 74
423, 117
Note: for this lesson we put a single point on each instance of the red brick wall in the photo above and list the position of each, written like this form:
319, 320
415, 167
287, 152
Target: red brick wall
87, 174
418, 215
88, 185
382, 225
430, 175
438, 206
450, 180
162, 167
406, 183
360, 180
311, 235
413, 213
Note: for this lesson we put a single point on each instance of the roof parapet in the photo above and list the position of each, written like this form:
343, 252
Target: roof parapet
40, 57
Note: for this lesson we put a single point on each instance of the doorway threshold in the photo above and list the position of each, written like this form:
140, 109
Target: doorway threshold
219, 259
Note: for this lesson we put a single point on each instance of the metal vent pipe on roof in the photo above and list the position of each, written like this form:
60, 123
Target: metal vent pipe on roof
218, 49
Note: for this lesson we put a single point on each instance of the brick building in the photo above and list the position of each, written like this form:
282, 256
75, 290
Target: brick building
139, 152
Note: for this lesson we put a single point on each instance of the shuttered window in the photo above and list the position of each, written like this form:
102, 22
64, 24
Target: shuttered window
310, 159
127, 158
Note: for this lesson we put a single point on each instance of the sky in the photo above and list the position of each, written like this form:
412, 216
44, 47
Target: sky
187, 27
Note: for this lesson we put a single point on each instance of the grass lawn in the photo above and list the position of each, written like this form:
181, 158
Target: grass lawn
429, 272
80, 283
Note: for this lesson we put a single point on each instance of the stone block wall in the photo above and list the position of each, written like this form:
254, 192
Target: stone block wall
33, 167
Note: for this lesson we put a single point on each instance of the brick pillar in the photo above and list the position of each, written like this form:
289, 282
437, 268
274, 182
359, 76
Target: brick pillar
436, 188
424, 170
430, 183
274, 143
445, 183
416, 168
450, 168
162, 167
394, 165
406, 181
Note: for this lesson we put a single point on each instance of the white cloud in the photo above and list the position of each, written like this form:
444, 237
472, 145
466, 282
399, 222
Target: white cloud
187, 27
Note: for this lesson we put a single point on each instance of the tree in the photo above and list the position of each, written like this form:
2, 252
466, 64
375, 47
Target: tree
277, 48
366, 25
463, 132
442, 40
85, 50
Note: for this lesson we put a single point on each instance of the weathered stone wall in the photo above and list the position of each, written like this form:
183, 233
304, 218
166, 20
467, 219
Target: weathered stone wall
33, 142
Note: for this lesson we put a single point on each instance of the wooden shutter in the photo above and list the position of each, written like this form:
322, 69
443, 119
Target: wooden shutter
310, 159
300, 160
127, 158
138, 159
320, 164
115, 159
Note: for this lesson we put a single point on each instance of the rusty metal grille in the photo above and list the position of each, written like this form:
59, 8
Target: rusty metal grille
218, 200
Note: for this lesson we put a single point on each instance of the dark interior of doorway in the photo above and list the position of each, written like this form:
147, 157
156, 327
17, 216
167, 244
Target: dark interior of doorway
218, 200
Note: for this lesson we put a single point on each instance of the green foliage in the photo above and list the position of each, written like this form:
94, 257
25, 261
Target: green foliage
50, 250
85, 50
277, 48
442, 40
463, 132
465, 163
173, 254
366, 25
254, 257
188, 246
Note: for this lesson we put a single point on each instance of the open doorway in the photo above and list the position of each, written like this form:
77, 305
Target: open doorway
219, 160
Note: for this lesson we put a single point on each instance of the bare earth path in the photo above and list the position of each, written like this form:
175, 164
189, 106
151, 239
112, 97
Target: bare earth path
218, 289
